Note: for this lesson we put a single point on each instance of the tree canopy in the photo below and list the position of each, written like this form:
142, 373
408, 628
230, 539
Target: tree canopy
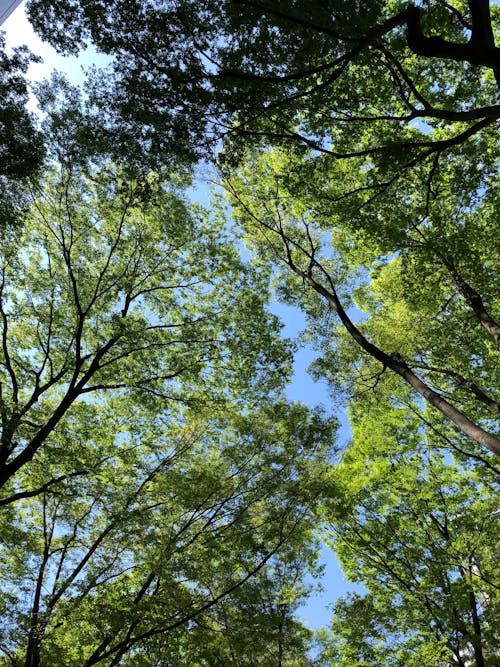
176, 530
420, 533
21, 147
151, 466
162, 498
117, 286
318, 74
385, 113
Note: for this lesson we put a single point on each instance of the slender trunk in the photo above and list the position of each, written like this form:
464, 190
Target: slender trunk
467, 426
36, 630
476, 303
394, 363
8, 470
33, 649
463, 382
280, 638
476, 640
37, 625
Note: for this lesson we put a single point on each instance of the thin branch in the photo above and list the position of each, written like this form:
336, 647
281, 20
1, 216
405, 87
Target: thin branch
41, 489
393, 362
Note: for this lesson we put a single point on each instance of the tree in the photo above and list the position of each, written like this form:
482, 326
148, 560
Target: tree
212, 61
114, 288
364, 143
138, 562
426, 322
387, 113
257, 625
420, 533
150, 465
22, 147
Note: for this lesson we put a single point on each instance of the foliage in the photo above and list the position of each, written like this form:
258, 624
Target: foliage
117, 287
178, 528
360, 154
256, 626
319, 74
421, 317
150, 466
22, 147
385, 118
421, 534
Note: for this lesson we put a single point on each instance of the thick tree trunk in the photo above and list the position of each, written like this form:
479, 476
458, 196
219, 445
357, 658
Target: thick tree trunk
480, 50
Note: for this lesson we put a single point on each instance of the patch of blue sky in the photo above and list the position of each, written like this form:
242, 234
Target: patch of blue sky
6, 8
18, 32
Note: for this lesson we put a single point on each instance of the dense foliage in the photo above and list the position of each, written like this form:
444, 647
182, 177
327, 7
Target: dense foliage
323, 74
390, 125
421, 533
150, 466
160, 495
22, 147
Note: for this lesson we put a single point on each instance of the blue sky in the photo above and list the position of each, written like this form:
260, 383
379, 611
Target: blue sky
316, 612
6, 8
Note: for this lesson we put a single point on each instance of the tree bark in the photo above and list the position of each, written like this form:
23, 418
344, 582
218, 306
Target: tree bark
480, 50
475, 301
397, 365
476, 639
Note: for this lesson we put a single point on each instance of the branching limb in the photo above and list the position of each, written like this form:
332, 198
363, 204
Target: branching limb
20, 495
462, 381
475, 301
328, 292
